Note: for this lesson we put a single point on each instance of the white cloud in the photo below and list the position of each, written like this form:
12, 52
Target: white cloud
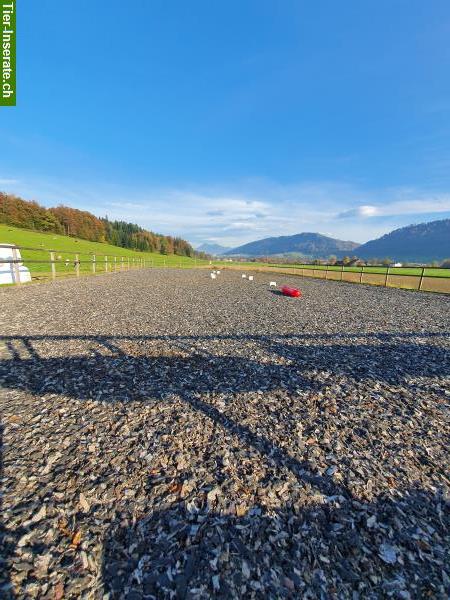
8, 182
425, 205
246, 210
360, 211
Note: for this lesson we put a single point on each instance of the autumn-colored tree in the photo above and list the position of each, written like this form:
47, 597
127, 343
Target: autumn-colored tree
78, 223
30, 215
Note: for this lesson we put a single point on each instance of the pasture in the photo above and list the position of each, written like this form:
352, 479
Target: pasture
66, 247
168, 435
413, 278
378, 270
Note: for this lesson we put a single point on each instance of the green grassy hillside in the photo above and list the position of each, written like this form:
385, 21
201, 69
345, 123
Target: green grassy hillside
66, 247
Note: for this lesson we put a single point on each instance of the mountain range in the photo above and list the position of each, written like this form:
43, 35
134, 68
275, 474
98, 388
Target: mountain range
213, 249
308, 245
424, 242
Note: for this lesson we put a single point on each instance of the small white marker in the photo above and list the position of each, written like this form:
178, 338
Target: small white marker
213, 276
243, 275
273, 284
250, 277
218, 272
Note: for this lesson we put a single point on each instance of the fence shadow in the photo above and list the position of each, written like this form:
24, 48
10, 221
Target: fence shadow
161, 537
134, 377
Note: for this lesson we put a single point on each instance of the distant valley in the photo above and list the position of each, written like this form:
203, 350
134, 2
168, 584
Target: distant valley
425, 242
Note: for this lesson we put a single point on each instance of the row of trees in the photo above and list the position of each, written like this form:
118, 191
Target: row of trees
354, 260
82, 224
333, 260
21, 213
129, 235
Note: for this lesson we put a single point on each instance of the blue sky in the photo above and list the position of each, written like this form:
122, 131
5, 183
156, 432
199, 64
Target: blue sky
233, 121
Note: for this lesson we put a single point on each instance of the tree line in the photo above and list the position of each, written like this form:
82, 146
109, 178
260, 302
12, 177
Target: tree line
83, 224
346, 261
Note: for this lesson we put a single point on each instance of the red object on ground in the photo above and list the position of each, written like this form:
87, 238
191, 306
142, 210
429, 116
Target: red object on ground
292, 292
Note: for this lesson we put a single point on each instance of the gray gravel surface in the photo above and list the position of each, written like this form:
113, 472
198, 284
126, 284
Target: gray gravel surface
170, 436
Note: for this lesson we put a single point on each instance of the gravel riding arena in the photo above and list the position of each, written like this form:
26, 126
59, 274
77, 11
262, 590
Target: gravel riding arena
166, 435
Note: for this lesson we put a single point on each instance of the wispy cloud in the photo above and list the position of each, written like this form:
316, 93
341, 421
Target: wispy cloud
359, 212
425, 205
8, 182
246, 210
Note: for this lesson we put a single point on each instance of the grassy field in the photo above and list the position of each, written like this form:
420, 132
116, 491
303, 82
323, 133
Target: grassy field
415, 271
66, 247
433, 280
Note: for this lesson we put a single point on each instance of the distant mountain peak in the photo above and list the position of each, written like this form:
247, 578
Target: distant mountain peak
307, 244
214, 249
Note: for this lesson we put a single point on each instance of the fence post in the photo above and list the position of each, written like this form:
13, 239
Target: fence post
421, 278
16, 267
361, 274
115, 264
326, 273
128, 264
387, 277
93, 263
77, 265
106, 264
342, 271
52, 259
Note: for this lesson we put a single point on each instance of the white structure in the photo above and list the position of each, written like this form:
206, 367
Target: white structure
243, 275
218, 272
10, 272
250, 277
273, 284
213, 275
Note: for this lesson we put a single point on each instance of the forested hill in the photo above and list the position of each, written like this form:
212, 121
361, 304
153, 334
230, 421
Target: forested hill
82, 224
424, 242
310, 245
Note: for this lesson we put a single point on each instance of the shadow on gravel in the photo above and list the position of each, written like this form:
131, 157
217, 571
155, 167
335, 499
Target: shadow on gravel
119, 377
338, 549
5, 546
168, 552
